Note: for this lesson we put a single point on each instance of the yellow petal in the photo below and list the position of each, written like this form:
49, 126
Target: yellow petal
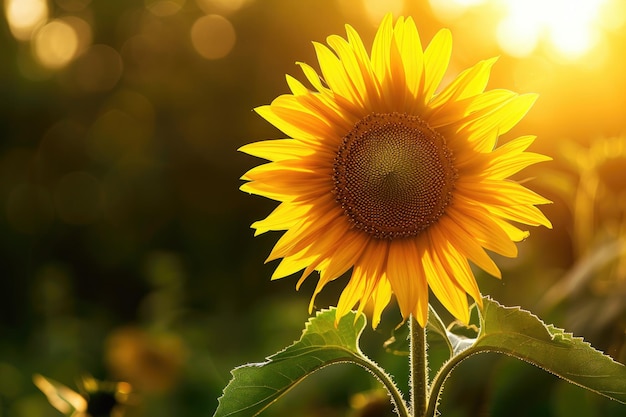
468, 245
283, 217
475, 108
502, 119
291, 265
515, 234
313, 78
500, 192
469, 83
413, 60
296, 121
455, 264
504, 167
302, 235
436, 59
406, 282
381, 47
529, 215
478, 223
351, 66
277, 150
372, 84
334, 73
381, 298
395, 82
443, 286
350, 295
296, 87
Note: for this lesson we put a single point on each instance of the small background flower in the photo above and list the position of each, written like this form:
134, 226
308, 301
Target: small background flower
593, 189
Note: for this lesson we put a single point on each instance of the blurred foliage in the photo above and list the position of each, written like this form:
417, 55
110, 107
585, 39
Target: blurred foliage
124, 238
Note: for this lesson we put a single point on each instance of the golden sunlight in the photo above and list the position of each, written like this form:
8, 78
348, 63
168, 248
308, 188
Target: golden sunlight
213, 36
451, 9
376, 9
56, 44
24, 16
222, 6
163, 8
571, 28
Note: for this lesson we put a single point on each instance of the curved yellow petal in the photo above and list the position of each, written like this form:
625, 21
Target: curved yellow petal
436, 60
444, 286
277, 149
412, 55
381, 48
469, 83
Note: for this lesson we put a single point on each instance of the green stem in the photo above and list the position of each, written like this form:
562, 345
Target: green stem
385, 379
419, 369
441, 377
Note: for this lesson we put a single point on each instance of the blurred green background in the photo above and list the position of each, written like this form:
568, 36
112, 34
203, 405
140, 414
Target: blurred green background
125, 243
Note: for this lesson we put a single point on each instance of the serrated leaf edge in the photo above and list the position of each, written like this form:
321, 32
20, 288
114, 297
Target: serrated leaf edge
551, 332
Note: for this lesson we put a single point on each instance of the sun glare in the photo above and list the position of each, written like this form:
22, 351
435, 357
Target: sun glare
571, 28
56, 44
376, 9
24, 16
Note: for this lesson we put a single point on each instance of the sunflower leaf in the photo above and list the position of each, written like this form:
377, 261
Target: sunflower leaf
518, 333
256, 386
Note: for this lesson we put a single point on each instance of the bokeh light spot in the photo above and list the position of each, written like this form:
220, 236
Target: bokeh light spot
73, 5
566, 30
52, 290
569, 27
447, 9
77, 198
11, 381
163, 8
24, 16
61, 150
139, 108
376, 9
221, 6
15, 167
55, 44
98, 69
516, 37
213, 36
116, 134
29, 208
613, 14
83, 32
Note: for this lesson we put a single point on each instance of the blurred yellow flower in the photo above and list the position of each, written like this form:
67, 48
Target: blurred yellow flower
386, 175
152, 362
599, 200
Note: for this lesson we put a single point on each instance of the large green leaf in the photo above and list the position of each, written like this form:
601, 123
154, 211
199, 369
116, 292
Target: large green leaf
255, 386
518, 333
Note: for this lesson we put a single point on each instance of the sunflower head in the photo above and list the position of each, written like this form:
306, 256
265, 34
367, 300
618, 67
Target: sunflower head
388, 175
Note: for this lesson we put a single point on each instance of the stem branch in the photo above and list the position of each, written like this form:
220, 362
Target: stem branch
385, 379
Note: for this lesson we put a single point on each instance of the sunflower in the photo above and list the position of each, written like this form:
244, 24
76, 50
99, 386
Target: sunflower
388, 176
